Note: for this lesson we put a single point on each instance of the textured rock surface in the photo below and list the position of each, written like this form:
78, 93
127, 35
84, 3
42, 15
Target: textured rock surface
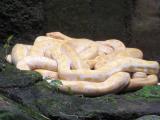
23, 19
145, 27
10, 110
95, 19
149, 117
26, 95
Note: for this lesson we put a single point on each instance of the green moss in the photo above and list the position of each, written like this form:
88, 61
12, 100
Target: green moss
109, 99
149, 117
6, 115
49, 102
148, 93
12, 77
33, 74
32, 113
12, 68
92, 114
13, 109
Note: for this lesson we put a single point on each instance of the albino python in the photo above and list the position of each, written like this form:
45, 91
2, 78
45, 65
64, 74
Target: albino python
85, 66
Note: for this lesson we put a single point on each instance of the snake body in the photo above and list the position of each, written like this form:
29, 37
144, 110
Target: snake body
84, 66
124, 64
113, 84
19, 51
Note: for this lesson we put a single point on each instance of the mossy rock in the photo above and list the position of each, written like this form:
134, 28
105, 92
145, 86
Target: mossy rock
148, 93
56, 105
34, 94
11, 110
149, 117
12, 77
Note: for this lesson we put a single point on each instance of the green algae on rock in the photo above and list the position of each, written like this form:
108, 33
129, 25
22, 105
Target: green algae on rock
149, 117
31, 94
147, 93
11, 110
12, 77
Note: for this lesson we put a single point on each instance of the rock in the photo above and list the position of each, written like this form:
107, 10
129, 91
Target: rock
145, 28
31, 92
11, 77
149, 117
10, 110
116, 107
80, 18
94, 19
46, 100
23, 19
59, 106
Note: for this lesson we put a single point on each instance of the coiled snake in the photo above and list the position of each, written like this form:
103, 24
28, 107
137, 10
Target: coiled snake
84, 66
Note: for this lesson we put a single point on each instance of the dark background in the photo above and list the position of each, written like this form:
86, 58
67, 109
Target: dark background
135, 22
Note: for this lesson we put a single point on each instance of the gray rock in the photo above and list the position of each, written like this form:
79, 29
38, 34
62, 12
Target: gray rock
10, 77
145, 27
10, 110
39, 96
81, 18
149, 117
94, 19
23, 19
